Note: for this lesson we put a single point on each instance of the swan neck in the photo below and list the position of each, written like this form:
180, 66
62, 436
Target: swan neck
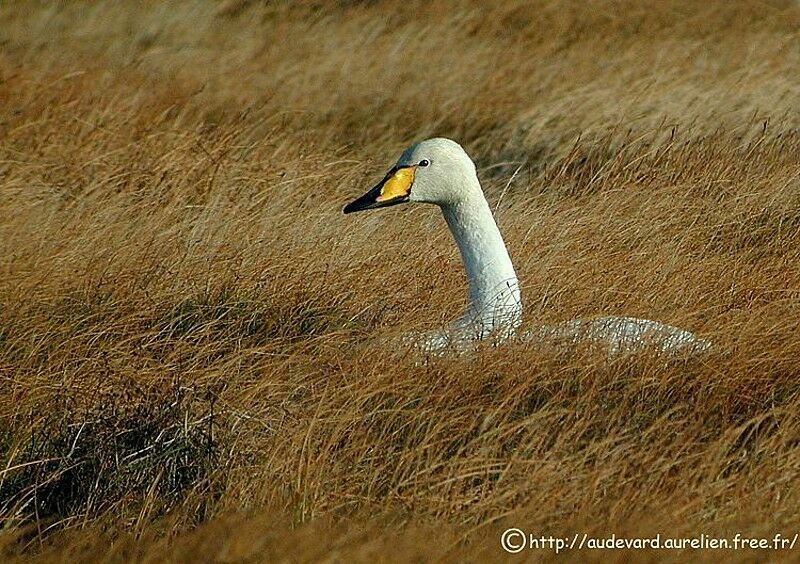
493, 286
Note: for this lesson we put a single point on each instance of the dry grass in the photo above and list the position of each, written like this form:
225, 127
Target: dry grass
194, 342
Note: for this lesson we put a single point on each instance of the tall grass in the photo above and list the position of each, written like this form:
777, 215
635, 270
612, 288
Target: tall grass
198, 351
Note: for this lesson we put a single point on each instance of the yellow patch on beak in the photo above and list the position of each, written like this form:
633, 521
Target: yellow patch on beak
398, 185
395, 188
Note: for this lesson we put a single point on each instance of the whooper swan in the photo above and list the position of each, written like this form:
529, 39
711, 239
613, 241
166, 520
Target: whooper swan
439, 171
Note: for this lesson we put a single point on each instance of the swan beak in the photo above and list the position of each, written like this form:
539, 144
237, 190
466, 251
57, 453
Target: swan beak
395, 188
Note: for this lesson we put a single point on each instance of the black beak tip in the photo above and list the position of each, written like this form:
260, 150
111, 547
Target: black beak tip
365, 202
350, 208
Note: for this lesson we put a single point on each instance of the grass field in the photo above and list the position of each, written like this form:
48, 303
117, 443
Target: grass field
198, 351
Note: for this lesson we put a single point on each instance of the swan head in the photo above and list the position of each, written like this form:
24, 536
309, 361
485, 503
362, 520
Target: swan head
435, 171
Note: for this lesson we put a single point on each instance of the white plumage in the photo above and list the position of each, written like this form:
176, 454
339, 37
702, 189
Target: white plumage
439, 171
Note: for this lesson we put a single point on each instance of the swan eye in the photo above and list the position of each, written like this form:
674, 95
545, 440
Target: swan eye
424, 162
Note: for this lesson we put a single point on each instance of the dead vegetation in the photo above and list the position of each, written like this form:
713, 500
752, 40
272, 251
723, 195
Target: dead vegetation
197, 349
